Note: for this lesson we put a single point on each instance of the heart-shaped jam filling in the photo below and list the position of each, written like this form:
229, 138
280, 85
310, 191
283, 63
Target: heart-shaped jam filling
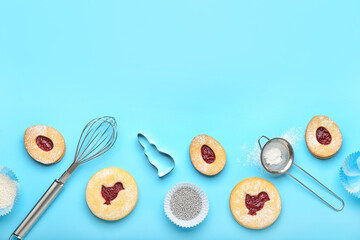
323, 136
44, 143
256, 203
110, 193
207, 154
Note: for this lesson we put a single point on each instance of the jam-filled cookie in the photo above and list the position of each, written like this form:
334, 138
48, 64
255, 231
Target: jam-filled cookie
323, 137
111, 194
44, 144
255, 203
207, 155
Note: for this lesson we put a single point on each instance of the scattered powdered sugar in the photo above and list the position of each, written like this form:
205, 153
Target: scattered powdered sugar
250, 155
185, 203
7, 191
294, 136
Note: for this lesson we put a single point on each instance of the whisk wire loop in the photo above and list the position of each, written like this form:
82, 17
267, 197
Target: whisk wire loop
89, 146
98, 137
87, 130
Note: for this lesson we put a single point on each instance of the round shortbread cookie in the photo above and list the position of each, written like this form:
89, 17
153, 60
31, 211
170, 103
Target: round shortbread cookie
111, 194
323, 129
266, 214
207, 155
44, 144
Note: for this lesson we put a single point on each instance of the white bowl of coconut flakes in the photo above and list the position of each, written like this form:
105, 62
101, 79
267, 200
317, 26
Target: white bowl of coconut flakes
9, 190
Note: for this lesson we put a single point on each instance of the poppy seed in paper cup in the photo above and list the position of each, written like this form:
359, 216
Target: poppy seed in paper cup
186, 205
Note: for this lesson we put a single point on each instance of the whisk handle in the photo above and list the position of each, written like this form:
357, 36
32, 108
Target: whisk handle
38, 209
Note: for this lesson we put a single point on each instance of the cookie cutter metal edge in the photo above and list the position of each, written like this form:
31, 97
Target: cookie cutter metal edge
161, 152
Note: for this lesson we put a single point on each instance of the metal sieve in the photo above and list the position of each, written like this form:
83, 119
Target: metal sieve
287, 155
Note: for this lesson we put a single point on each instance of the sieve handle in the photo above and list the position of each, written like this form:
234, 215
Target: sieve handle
342, 201
261, 148
38, 209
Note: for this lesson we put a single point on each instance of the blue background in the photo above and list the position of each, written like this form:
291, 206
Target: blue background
234, 70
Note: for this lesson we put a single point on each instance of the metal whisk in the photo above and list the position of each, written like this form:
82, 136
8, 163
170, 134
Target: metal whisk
98, 136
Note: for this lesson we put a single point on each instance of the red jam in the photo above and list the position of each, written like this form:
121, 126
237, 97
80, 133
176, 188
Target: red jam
323, 136
44, 143
207, 154
110, 193
256, 203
